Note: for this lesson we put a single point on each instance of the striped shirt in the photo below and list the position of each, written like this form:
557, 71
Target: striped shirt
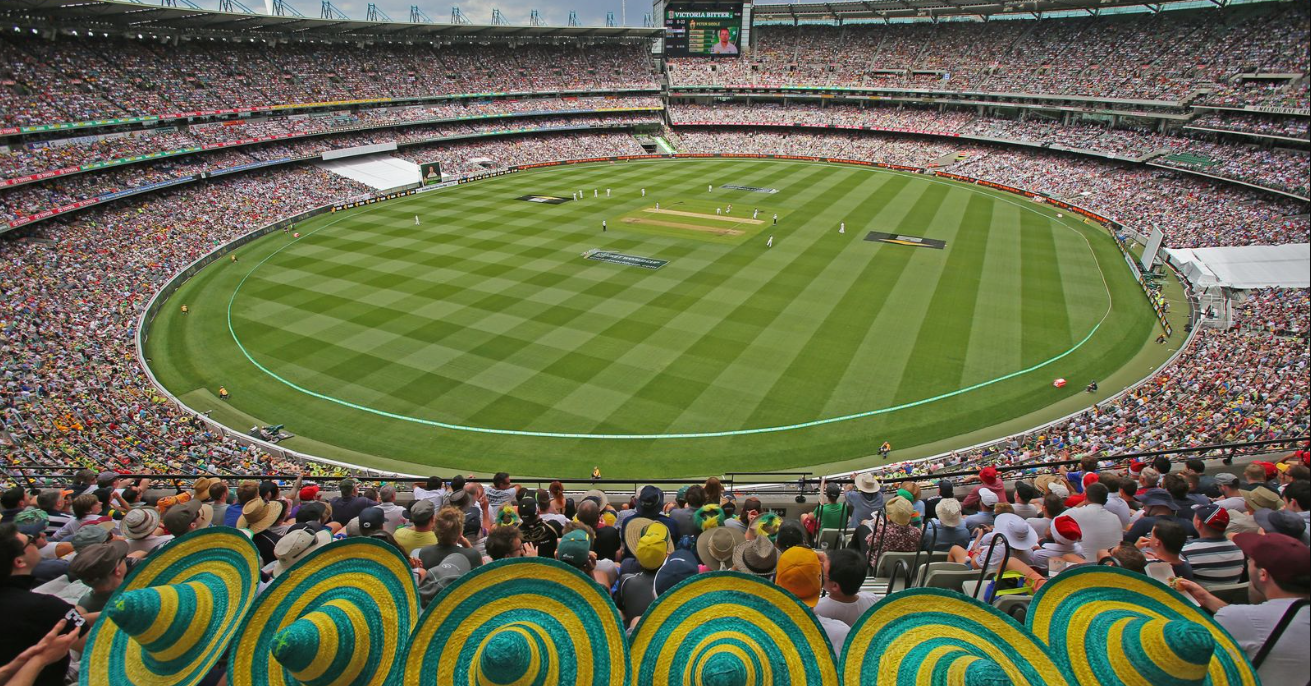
1214, 561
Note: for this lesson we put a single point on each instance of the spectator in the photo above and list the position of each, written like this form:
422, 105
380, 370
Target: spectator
419, 532
1101, 529
895, 535
945, 490
13, 501
393, 514
448, 528
218, 498
347, 505
141, 528
102, 568
1278, 567
1025, 494
990, 482
1060, 543
1166, 543
986, 502
542, 534
863, 499
947, 529
246, 492
1231, 492
693, 498
1052, 506
186, 517
1115, 502
1215, 559
55, 504
258, 517
801, 573
433, 489
31, 615
636, 590
1297, 499
844, 573
1205, 484
501, 492
1158, 506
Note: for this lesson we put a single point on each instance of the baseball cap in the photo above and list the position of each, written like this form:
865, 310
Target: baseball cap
1157, 497
105, 478
832, 490
527, 508
178, 519
801, 574
308, 493
1213, 516
574, 548
451, 567
371, 520
95, 562
681, 565
988, 474
1280, 522
421, 512
653, 546
1225, 478
1061, 490
88, 535
987, 497
31, 522
649, 499
1282, 557
682, 493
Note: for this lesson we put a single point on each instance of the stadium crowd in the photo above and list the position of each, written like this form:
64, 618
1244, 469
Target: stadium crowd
89, 78
1281, 169
1261, 124
1191, 211
51, 155
1167, 56
1202, 532
30, 199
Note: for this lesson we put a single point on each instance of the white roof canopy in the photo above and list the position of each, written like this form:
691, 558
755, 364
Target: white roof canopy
1253, 266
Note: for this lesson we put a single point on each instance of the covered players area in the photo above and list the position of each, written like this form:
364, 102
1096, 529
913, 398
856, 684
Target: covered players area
487, 330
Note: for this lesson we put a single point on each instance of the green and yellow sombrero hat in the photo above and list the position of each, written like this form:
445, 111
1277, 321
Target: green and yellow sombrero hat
174, 615
339, 617
520, 621
1111, 626
936, 636
730, 628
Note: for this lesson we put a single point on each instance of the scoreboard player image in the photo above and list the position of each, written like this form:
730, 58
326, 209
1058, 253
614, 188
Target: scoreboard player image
725, 45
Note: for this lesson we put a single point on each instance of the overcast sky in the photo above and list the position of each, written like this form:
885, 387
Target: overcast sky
554, 12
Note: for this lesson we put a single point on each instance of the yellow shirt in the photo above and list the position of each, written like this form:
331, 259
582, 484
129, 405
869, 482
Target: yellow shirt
410, 540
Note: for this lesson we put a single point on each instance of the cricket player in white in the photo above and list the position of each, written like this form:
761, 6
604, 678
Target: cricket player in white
770, 243
595, 194
643, 192
416, 220
657, 204
710, 188
719, 210
603, 226
755, 213
607, 192
842, 227
728, 210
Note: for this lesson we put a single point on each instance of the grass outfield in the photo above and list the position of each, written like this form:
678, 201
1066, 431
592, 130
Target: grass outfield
373, 338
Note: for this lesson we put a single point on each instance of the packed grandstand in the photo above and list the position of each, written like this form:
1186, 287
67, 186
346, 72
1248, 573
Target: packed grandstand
1159, 533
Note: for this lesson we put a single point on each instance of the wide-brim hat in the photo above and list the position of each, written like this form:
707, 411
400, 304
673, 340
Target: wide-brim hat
520, 621
933, 635
296, 546
599, 495
715, 550
757, 556
259, 515
338, 617
866, 483
1017, 532
175, 613
1043, 482
632, 529
200, 489
139, 523
1112, 626
729, 627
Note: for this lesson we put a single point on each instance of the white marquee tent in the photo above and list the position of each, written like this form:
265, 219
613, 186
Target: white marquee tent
1253, 266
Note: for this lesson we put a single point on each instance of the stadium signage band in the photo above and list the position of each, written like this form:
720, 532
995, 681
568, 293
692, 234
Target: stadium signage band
626, 260
374, 199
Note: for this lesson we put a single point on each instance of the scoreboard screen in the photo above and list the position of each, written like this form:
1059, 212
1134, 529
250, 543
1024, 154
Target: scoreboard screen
703, 29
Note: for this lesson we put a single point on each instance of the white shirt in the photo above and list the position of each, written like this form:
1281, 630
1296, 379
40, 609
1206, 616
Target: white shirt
147, 544
393, 516
1234, 503
438, 497
1101, 529
1115, 505
837, 633
1250, 625
847, 613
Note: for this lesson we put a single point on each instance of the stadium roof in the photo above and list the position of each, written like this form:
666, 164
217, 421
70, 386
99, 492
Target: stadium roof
113, 16
926, 9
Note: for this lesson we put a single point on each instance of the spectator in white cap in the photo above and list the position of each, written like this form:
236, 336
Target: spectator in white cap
296, 546
141, 528
984, 517
864, 497
948, 529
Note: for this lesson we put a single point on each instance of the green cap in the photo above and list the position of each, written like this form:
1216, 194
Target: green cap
574, 548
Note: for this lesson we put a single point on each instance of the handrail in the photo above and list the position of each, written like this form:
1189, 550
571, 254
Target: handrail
983, 567
892, 578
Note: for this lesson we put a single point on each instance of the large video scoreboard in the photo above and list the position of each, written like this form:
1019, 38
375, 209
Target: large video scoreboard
703, 29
